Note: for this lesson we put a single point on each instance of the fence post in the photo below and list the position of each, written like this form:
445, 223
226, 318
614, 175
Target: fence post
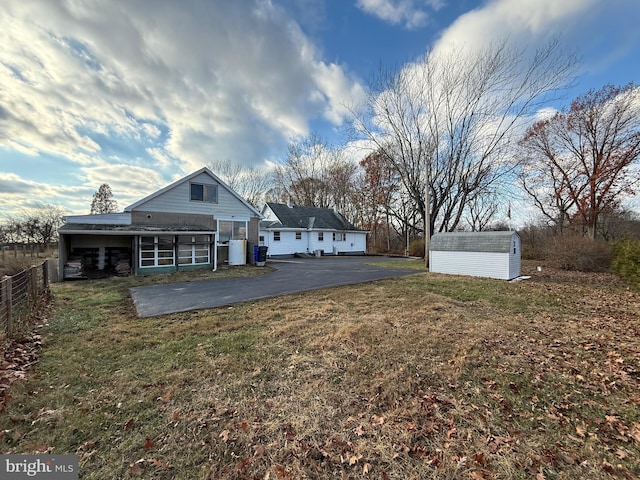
6, 297
45, 274
33, 273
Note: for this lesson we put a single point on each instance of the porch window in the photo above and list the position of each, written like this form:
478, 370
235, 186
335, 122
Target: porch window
194, 249
321, 236
231, 230
298, 235
156, 251
276, 236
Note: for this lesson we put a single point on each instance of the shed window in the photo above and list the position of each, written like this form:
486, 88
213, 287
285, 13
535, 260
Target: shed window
156, 251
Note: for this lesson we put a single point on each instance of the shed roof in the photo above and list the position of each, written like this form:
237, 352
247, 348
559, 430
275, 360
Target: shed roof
494, 242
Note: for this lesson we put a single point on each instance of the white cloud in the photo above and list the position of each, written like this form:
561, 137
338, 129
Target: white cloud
409, 13
186, 82
128, 183
521, 21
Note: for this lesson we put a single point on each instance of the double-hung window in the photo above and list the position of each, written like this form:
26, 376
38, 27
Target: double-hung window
339, 236
156, 251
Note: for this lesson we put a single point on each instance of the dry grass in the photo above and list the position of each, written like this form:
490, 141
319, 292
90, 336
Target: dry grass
427, 376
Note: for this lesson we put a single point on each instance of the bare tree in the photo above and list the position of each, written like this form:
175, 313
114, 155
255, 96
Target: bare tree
578, 162
103, 201
250, 183
38, 226
314, 173
446, 122
481, 209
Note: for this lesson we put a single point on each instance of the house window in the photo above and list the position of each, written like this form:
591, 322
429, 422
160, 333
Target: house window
276, 236
231, 230
339, 236
261, 239
156, 251
194, 249
202, 192
298, 235
321, 236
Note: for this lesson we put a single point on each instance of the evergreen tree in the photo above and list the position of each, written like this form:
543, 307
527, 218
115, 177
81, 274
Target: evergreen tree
103, 201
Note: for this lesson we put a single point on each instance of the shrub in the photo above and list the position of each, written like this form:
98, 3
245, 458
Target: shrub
626, 260
575, 252
416, 248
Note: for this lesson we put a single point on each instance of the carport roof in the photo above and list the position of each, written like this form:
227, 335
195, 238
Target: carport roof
134, 229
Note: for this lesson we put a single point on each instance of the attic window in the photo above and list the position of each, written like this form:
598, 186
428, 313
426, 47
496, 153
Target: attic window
202, 192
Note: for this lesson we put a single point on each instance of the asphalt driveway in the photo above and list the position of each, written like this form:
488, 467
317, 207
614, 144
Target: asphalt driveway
291, 276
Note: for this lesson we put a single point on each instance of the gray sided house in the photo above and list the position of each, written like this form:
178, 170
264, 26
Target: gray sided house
190, 224
290, 229
479, 254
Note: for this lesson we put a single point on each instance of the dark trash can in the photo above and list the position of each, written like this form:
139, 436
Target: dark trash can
262, 256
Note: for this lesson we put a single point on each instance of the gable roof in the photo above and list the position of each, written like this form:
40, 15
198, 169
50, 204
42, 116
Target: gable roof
188, 178
492, 242
316, 218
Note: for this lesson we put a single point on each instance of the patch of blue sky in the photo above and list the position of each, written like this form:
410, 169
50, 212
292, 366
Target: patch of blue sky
114, 146
42, 168
81, 51
15, 72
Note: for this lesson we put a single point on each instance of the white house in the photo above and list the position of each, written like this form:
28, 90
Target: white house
479, 254
290, 229
184, 226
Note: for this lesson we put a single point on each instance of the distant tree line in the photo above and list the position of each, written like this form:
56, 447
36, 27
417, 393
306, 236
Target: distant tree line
38, 227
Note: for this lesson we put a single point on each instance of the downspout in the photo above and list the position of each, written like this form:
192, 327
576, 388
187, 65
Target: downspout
215, 252
312, 220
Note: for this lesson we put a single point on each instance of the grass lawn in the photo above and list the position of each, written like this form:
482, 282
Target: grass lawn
425, 376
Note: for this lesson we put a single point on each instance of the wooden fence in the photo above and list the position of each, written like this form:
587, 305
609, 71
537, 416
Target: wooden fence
20, 296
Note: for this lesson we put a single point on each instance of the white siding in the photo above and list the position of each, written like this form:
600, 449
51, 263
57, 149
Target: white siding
288, 245
177, 200
477, 264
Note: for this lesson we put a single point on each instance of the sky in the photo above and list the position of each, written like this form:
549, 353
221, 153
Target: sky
138, 94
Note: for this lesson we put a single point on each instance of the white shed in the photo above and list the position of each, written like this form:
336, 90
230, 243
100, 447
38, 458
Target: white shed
479, 254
